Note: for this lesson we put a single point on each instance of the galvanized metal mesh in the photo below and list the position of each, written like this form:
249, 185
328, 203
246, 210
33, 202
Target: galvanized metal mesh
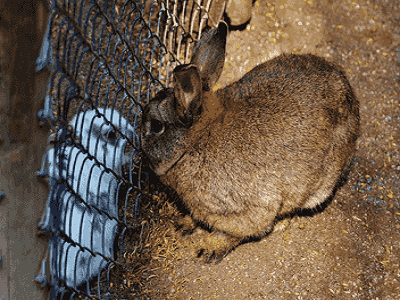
107, 59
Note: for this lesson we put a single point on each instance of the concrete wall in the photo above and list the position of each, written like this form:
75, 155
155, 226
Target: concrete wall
22, 144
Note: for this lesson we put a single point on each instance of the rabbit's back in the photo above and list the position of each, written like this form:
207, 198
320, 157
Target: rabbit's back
293, 84
296, 103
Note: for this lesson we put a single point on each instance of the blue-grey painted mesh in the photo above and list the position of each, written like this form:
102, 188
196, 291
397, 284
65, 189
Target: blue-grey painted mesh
107, 58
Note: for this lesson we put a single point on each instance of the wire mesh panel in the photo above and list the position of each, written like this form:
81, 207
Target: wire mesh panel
108, 59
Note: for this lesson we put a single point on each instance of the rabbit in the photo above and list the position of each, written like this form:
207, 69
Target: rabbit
272, 143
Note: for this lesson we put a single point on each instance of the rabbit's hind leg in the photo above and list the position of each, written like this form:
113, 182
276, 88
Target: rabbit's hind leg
185, 225
325, 190
337, 166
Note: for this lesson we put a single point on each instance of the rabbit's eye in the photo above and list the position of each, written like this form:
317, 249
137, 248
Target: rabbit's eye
156, 126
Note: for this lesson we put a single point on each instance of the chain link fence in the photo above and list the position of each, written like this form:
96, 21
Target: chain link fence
107, 59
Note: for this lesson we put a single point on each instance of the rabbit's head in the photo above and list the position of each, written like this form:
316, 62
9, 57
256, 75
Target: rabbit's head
172, 112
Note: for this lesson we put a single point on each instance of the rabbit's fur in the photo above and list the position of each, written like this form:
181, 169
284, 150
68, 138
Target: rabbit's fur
274, 141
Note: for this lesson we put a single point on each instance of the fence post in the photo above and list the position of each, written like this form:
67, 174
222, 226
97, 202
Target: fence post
22, 145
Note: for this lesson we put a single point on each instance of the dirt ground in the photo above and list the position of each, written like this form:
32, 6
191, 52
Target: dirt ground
350, 250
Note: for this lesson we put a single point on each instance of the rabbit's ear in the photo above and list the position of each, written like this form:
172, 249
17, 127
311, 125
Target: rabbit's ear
187, 90
209, 55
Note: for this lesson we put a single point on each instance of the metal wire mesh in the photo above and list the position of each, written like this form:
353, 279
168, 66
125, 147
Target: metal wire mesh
107, 59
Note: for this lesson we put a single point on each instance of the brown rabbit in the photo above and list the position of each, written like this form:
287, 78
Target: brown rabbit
274, 141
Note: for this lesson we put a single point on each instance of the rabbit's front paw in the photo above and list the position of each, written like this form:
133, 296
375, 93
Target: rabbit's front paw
186, 225
212, 246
